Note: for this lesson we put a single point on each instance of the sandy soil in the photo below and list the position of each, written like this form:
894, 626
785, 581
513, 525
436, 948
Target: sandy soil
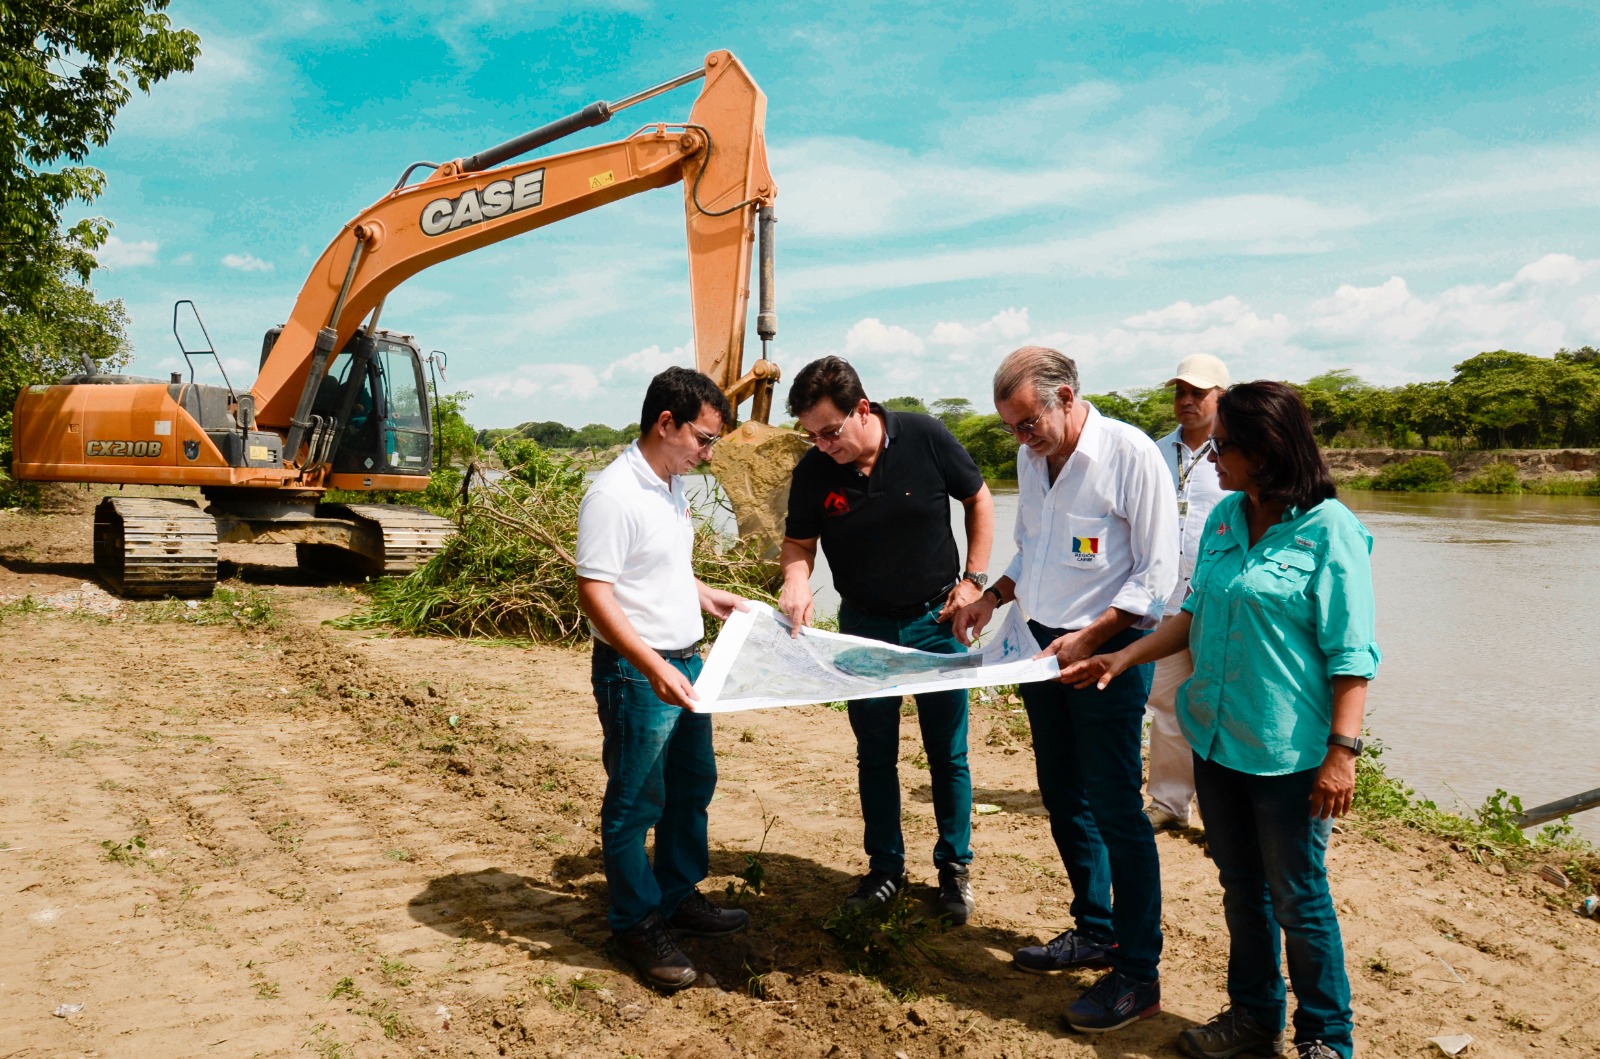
225, 841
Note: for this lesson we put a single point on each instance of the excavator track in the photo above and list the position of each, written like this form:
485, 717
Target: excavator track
403, 538
150, 547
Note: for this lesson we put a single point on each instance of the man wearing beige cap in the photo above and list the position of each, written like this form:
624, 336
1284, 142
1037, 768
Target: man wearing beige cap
1198, 382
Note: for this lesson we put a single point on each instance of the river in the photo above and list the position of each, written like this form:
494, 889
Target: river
1489, 623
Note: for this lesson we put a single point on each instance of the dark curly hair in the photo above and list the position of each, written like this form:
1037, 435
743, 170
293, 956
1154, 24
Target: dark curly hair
1268, 422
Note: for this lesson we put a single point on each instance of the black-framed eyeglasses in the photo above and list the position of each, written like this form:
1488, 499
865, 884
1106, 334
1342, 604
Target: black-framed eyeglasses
1219, 445
1026, 428
826, 435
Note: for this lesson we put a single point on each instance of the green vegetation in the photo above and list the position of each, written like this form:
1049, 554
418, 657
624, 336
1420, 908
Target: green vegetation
65, 71
879, 940
1420, 474
1490, 832
241, 605
552, 435
509, 573
1494, 400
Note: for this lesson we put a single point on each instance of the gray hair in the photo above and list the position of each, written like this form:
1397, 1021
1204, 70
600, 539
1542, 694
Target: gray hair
1046, 369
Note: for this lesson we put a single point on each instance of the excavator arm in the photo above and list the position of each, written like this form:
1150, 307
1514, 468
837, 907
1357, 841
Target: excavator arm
719, 155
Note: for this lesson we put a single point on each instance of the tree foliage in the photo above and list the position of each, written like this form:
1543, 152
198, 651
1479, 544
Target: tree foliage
66, 68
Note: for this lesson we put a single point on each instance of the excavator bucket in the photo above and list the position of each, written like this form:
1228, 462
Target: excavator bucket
753, 465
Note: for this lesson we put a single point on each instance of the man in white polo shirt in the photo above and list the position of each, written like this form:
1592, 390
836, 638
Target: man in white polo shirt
1199, 381
637, 587
1097, 556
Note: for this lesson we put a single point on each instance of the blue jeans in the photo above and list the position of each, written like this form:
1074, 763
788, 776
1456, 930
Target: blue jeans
942, 716
1269, 852
660, 773
1086, 753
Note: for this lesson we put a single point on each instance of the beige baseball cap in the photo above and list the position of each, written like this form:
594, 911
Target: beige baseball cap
1201, 370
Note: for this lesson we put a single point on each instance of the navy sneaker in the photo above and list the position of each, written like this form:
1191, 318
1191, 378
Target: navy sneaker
1113, 1002
1067, 949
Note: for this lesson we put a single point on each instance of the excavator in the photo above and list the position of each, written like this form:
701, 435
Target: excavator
339, 403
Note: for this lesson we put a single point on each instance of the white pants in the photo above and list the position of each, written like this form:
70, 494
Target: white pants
1171, 784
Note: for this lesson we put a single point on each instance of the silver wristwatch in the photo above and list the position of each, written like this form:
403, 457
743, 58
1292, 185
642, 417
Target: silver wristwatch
978, 579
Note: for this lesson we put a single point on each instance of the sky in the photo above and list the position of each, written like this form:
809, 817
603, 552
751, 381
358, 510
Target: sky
1294, 186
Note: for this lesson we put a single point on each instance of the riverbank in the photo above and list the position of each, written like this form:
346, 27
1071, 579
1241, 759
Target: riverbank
1548, 471
234, 830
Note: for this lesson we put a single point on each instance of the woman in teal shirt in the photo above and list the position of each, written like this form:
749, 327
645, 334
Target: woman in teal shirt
1280, 623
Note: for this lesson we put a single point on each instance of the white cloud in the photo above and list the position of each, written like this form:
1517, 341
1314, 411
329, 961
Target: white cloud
1183, 316
646, 364
873, 338
558, 383
1007, 326
246, 263
117, 253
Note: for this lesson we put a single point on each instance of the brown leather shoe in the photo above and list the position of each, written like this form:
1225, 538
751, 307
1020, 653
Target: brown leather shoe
651, 950
699, 918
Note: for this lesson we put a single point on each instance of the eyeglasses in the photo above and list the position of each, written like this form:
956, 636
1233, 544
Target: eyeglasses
826, 435
1026, 428
1219, 444
706, 440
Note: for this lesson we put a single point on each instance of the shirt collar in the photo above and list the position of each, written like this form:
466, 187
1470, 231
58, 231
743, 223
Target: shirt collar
1091, 439
646, 473
891, 421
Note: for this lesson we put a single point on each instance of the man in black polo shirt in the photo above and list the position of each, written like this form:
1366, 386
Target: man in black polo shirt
876, 491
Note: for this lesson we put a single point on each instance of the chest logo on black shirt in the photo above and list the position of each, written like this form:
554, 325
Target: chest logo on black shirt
836, 503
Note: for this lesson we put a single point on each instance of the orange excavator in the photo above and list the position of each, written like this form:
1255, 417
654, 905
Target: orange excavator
339, 403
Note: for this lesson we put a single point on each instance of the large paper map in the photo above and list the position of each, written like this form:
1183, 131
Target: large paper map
755, 663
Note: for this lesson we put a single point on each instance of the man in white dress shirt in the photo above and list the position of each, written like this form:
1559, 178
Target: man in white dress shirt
1097, 556
636, 585
1199, 381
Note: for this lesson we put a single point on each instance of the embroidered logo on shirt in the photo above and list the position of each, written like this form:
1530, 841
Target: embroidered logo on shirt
1222, 529
1084, 549
1305, 543
836, 503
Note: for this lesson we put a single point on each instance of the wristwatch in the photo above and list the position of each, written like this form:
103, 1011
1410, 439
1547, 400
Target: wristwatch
1354, 745
978, 579
994, 590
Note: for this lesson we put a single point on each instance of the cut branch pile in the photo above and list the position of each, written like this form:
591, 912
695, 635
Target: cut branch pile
509, 573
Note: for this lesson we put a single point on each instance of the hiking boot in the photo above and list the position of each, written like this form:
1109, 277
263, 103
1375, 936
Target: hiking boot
1314, 1050
1161, 820
699, 918
1233, 1032
650, 948
1067, 949
1113, 1002
875, 888
955, 894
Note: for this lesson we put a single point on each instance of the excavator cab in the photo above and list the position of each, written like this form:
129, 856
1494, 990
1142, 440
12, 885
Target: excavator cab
370, 414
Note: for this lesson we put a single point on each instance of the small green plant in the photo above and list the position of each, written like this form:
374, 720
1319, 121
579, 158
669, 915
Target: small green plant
345, 987
325, 1045
267, 990
877, 940
754, 873
395, 1025
396, 972
129, 852
397, 854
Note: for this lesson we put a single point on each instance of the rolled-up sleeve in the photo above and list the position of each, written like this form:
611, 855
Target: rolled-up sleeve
1152, 515
1346, 609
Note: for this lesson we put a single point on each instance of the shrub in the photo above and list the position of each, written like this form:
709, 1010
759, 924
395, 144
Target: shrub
1495, 478
1420, 474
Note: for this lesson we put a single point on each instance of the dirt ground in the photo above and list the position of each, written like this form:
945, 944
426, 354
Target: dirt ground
219, 840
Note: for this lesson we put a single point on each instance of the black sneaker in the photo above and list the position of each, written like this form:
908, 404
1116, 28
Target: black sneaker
875, 888
1233, 1032
1113, 1002
955, 894
653, 953
1067, 949
699, 918
1315, 1050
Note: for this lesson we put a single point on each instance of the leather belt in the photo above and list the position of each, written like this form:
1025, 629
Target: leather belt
679, 653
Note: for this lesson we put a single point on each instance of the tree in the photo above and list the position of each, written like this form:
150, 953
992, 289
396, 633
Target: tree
905, 404
65, 71
456, 442
991, 447
952, 410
